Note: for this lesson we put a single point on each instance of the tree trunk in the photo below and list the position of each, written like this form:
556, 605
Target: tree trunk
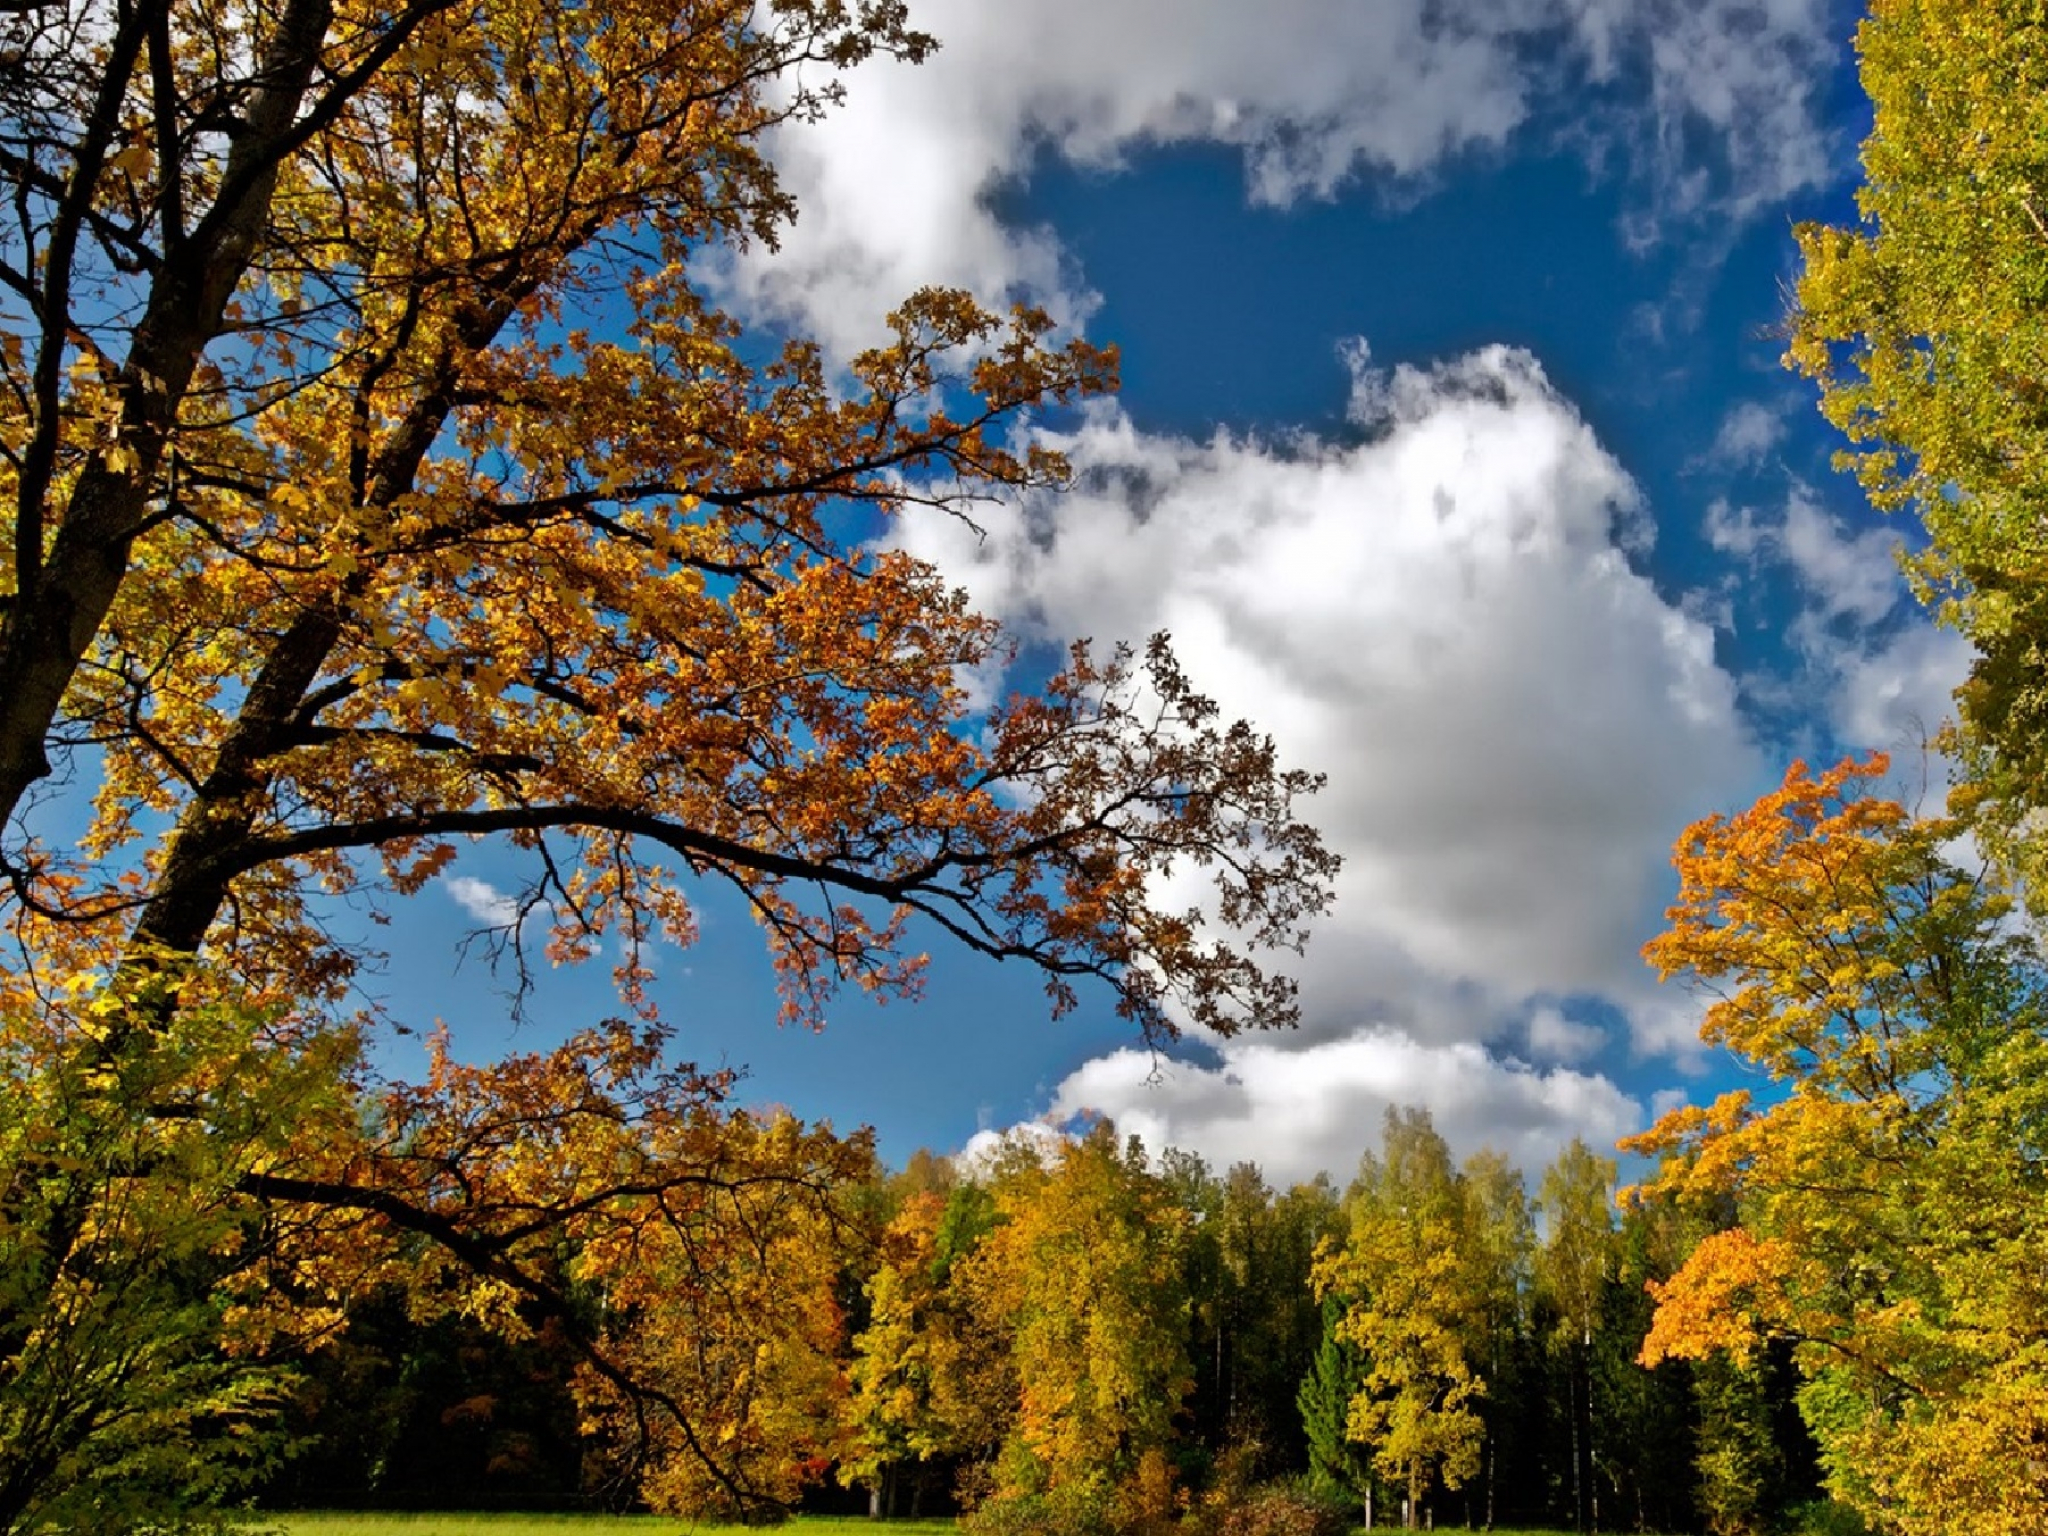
65, 592
1571, 1388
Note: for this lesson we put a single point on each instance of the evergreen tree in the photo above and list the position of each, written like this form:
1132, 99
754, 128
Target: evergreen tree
1337, 1463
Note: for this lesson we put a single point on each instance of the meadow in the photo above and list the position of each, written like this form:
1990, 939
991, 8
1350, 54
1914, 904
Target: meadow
342, 1523
336, 1523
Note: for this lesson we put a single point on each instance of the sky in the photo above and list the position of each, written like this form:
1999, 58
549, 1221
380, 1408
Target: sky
1453, 450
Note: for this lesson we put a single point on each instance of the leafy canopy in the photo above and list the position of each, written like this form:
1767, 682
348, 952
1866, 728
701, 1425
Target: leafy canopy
377, 476
1889, 1199
1925, 324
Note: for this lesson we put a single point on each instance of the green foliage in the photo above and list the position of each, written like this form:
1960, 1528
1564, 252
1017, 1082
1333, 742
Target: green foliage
1337, 1462
1256, 1324
1644, 1419
1925, 324
1826, 1517
136, 1395
1739, 1462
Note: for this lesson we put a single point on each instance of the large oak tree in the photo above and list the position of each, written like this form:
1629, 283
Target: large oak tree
379, 477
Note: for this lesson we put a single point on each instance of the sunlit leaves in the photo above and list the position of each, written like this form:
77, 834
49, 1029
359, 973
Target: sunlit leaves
378, 477
1923, 323
1888, 1200
1413, 1287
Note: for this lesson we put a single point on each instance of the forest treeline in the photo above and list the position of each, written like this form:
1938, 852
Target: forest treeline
1068, 1335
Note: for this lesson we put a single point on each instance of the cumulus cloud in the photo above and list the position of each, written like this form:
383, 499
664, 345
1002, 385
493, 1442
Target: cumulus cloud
1843, 575
1554, 1037
1895, 693
1297, 1111
986, 1149
1442, 616
1713, 105
1854, 576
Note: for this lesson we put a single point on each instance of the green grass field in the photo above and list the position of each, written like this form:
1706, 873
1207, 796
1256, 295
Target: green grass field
330, 1523
336, 1524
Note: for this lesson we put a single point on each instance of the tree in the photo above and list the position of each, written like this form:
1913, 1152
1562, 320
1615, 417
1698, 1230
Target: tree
1334, 1378
1648, 1418
1267, 1244
729, 1312
118, 1409
1500, 1249
1890, 1201
1923, 324
1404, 1261
334, 543
897, 1407
1574, 1268
1086, 1265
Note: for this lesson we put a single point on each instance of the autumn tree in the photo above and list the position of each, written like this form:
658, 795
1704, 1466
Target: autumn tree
1500, 1248
118, 1410
729, 1310
1086, 1267
1404, 1264
1923, 323
338, 539
1889, 1195
930, 1379
1573, 1270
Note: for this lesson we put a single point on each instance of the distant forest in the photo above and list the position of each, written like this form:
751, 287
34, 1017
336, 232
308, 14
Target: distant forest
1072, 1331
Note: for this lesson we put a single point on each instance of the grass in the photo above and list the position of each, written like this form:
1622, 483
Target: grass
334, 1523
338, 1523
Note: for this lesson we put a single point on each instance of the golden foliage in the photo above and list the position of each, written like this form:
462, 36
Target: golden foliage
1888, 1194
378, 477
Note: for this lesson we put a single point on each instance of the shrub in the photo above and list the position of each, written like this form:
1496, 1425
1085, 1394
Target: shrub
1825, 1517
1291, 1508
1055, 1512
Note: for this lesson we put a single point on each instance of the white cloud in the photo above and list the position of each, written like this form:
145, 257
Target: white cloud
1714, 104
986, 1149
482, 900
1748, 435
1854, 576
1843, 576
1553, 1037
1895, 694
1514, 723
1296, 1112
1884, 673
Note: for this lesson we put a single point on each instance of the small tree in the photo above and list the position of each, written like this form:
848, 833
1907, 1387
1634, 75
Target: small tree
1336, 1461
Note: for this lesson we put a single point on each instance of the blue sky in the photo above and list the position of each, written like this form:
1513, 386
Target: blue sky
1467, 469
